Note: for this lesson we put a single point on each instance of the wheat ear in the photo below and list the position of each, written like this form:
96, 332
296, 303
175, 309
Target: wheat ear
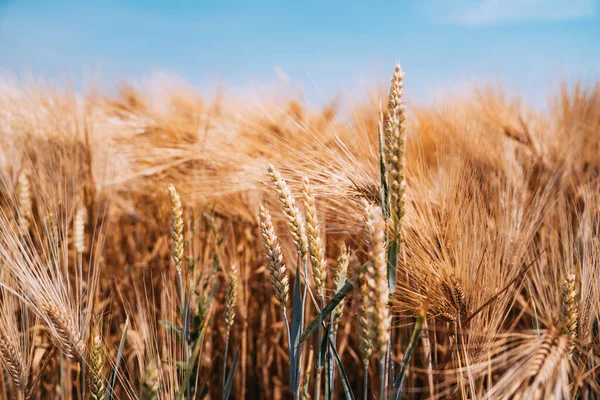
176, 227
51, 230
364, 311
569, 308
315, 244
24, 208
14, 362
64, 332
544, 364
341, 269
395, 140
97, 380
231, 297
274, 256
291, 211
376, 279
150, 382
79, 230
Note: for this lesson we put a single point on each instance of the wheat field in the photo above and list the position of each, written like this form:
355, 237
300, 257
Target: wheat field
165, 246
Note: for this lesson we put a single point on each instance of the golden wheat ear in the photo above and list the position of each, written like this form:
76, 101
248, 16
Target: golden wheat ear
395, 141
64, 331
291, 211
339, 278
176, 228
231, 297
274, 256
376, 278
14, 361
24, 202
569, 308
96, 366
315, 243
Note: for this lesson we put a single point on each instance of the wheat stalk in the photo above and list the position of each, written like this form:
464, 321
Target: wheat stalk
177, 253
79, 243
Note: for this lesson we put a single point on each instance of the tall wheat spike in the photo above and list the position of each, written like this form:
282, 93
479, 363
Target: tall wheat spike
395, 140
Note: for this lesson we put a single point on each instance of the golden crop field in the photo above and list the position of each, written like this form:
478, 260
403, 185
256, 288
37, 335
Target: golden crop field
166, 246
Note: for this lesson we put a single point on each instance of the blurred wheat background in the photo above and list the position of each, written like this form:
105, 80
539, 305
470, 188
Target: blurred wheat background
157, 242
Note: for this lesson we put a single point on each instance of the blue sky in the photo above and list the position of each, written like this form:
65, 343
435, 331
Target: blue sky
326, 47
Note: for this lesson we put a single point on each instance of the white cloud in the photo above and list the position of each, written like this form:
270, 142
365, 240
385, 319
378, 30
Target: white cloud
487, 12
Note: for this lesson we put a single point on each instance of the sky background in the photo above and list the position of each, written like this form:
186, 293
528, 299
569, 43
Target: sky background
325, 47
